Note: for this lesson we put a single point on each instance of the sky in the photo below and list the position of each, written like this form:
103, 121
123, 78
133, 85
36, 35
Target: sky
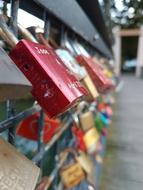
26, 19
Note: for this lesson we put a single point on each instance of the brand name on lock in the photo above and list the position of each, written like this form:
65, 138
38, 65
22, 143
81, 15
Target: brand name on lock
12, 180
13, 177
74, 85
41, 51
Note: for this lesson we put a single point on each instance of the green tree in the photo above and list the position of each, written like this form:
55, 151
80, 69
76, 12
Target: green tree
126, 13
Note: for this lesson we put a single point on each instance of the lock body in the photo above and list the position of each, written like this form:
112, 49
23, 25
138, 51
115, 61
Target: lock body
91, 139
71, 63
13, 84
54, 87
98, 123
87, 120
79, 134
85, 162
72, 175
28, 128
17, 172
88, 83
102, 83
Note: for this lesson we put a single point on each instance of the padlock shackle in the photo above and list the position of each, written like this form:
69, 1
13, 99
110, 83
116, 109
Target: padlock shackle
9, 37
40, 37
12, 40
42, 40
26, 34
68, 151
53, 43
5, 37
71, 151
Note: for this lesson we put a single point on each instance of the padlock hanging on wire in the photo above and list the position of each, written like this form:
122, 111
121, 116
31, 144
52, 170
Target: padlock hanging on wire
85, 133
53, 86
102, 83
91, 136
38, 33
79, 71
80, 162
71, 63
78, 169
72, 173
28, 128
16, 169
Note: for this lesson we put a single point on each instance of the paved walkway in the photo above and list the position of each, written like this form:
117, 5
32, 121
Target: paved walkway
123, 166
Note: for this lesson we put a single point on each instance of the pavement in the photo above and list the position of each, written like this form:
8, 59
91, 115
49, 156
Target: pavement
123, 163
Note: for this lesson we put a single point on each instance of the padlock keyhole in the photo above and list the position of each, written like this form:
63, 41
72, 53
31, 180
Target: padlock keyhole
26, 67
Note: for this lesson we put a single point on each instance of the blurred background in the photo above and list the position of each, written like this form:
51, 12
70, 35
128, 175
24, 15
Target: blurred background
108, 35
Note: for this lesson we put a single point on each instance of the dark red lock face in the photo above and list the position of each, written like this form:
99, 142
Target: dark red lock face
28, 127
102, 83
54, 86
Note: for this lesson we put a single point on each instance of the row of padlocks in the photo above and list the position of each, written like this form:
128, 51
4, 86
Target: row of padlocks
72, 93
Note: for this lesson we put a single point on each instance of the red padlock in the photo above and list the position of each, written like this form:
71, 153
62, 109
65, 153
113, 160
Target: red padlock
54, 87
104, 131
78, 133
101, 107
102, 83
28, 128
109, 111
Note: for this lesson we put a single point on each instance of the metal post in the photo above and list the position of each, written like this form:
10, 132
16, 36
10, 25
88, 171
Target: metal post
4, 10
11, 104
40, 134
40, 129
14, 14
117, 50
62, 35
140, 54
55, 138
47, 24
10, 107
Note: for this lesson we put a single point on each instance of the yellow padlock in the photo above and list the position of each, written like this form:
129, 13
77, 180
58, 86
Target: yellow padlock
85, 162
108, 73
72, 174
91, 139
87, 121
88, 83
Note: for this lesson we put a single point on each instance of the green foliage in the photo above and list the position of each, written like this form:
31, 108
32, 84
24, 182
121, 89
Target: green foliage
126, 13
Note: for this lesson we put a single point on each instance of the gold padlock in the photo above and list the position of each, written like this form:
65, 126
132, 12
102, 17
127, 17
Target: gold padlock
108, 73
72, 174
87, 165
87, 121
88, 83
91, 138
85, 162
16, 171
